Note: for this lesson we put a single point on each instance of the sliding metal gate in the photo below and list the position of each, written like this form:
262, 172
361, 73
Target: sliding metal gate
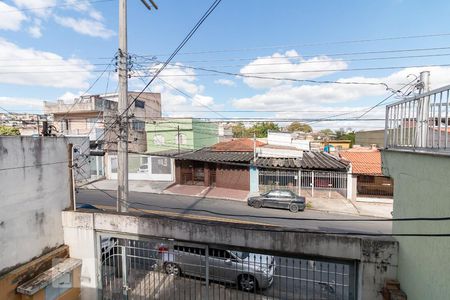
167, 269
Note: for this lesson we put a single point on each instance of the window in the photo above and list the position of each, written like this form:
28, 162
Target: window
180, 138
285, 194
191, 250
139, 104
138, 125
219, 253
161, 165
158, 139
274, 194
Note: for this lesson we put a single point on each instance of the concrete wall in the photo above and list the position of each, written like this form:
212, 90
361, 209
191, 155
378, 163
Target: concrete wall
377, 258
422, 189
367, 138
34, 189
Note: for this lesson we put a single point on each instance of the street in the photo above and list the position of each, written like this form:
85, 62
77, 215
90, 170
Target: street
235, 211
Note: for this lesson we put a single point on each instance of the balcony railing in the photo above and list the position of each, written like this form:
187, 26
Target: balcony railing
419, 123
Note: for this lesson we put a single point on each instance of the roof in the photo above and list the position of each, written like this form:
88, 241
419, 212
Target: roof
311, 160
207, 155
236, 145
169, 152
364, 161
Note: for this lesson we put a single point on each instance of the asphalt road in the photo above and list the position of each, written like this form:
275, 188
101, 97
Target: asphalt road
235, 211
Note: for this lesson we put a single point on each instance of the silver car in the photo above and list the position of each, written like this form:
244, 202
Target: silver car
249, 271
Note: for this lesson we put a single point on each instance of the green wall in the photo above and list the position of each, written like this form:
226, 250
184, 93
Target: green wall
198, 134
421, 189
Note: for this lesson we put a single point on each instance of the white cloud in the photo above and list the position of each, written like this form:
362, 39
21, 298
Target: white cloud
85, 26
11, 17
173, 102
40, 8
291, 62
35, 29
27, 66
288, 96
22, 104
225, 82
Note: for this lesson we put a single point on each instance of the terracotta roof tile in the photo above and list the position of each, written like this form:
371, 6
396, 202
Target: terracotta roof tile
236, 145
364, 161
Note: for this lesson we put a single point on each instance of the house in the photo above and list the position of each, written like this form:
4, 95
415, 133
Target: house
367, 175
166, 137
331, 146
225, 164
419, 163
90, 115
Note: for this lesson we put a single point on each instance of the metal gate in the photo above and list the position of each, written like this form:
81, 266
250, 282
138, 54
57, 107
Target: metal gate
276, 179
168, 269
323, 184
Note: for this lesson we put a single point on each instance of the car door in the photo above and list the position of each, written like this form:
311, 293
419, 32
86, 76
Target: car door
284, 199
221, 265
271, 199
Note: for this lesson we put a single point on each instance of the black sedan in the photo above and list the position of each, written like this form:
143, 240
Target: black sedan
279, 199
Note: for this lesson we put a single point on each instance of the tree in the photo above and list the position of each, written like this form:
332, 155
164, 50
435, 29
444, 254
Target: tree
7, 130
327, 132
297, 126
239, 131
342, 135
260, 129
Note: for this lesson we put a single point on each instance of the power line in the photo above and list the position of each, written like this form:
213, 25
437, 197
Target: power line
404, 50
317, 44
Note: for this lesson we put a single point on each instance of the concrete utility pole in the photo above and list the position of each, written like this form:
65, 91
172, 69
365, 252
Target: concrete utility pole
122, 145
424, 107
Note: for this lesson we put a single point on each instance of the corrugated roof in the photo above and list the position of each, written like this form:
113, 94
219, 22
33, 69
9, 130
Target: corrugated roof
364, 161
169, 153
236, 145
311, 160
207, 155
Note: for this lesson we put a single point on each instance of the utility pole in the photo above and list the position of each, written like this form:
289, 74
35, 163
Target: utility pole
122, 145
178, 138
423, 110
254, 147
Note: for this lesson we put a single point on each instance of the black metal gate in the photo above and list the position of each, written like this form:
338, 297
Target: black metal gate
167, 269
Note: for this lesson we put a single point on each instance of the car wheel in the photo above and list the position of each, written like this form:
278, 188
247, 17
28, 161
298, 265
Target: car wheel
172, 269
257, 204
247, 283
293, 208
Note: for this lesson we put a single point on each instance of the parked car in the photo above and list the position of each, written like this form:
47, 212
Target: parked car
279, 199
143, 168
249, 271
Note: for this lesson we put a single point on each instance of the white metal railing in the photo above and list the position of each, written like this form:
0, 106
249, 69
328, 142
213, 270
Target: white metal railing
419, 123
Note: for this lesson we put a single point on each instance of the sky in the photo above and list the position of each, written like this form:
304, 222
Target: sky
60, 49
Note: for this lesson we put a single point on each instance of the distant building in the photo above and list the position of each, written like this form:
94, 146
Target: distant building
369, 138
225, 131
367, 174
332, 146
290, 139
91, 115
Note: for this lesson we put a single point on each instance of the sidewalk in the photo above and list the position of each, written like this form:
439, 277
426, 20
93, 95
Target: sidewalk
207, 192
344, 206
142, 186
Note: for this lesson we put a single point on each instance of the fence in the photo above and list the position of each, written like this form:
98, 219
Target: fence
420, 122
168, 269
320, 184
375, 186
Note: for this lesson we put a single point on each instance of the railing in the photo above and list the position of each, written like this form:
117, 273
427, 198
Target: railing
168, 269
419, 123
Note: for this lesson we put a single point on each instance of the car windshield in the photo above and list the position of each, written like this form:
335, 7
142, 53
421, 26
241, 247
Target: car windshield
241, 255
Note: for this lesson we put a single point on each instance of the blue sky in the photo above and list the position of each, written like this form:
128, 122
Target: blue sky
58, 52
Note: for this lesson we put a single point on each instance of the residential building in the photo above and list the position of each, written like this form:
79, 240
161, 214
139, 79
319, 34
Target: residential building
92, 115
225, 131
418, 159
35, 187
290, 139
226, 165
367, 176
334, 146
369, 138
166, 137
184, 134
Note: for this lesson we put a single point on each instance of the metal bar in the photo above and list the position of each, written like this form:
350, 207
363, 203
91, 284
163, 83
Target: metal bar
446, 120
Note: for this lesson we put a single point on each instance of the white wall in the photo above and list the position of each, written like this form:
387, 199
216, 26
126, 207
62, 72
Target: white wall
286, 139
34, 189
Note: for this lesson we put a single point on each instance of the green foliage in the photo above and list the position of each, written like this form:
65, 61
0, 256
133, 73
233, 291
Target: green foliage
260, 129
327, 132
7, 130
342, 135
297, 126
